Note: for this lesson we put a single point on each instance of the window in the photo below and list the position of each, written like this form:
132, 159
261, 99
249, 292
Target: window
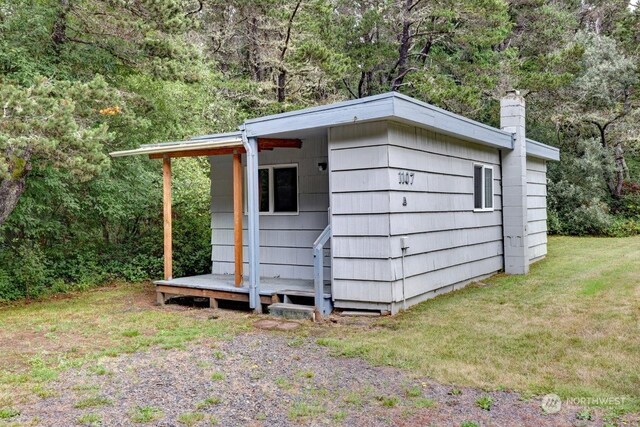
482, 188
278, 189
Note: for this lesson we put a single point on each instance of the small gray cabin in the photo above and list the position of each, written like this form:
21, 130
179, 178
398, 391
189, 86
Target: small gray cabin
371, 204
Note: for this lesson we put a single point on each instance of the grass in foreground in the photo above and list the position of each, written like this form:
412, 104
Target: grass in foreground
190, 418
52, 335
89, 419
146, 414
570, 327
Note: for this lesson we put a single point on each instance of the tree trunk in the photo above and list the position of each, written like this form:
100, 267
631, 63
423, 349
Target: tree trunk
282, 72
616, 186
10, 192
253, 50
282, 80
402, 65
59, 29
12, 187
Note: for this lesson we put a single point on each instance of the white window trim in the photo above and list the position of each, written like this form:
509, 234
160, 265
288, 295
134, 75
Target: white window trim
271, 188
482, 186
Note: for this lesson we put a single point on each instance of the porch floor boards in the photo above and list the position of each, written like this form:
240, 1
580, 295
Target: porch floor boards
221, 286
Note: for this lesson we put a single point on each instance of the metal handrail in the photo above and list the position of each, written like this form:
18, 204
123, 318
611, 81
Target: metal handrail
318, 269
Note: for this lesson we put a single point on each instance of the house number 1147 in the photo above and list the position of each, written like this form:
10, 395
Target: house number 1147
406, 178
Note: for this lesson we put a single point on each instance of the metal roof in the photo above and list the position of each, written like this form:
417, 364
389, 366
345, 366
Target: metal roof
387, 106
232, 139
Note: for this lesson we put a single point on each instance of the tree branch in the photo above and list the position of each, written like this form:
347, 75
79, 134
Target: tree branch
289, 26
200, 5
346, 85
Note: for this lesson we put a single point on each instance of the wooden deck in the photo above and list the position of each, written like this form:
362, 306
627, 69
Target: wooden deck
221, 287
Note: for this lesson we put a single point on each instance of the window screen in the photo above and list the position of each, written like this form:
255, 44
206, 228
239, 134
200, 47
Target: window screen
263, 178
477, 187
285, 189
488, 188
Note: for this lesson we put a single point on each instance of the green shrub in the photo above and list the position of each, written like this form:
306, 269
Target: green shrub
629, 204
29, 270
623, 227
577, 192
68, 235
8, 290
593, 219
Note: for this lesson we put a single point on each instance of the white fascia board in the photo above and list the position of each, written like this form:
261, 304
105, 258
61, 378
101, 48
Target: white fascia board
377, 107
214, 136
427, 116
542, 151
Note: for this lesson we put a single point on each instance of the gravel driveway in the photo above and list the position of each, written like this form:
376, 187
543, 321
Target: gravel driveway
266, 378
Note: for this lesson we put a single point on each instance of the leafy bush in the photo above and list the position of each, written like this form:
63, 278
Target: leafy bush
629, 204
587, 220
577, 193
25, 273
8, 291
104, 230
623, 227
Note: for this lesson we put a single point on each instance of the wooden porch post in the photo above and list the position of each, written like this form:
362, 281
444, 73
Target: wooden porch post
237, 216
166, 204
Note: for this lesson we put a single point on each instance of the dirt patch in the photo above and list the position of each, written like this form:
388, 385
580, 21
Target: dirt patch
269, 379
276, 324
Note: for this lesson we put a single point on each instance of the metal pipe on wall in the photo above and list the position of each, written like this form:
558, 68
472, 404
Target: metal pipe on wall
251, 147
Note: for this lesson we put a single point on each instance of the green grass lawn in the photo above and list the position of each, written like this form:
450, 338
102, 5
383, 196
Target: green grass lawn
571, 327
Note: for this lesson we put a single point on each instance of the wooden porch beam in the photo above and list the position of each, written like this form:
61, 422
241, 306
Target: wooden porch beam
237, 217
268, 143
166, 211
198, 153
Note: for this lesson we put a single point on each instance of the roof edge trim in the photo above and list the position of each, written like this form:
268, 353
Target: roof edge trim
542, 151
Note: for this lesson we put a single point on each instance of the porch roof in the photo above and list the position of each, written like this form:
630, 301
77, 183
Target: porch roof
208, 142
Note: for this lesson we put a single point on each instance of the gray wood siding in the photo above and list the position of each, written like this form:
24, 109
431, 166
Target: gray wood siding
285, 240
360, 182
449, 242
537, 207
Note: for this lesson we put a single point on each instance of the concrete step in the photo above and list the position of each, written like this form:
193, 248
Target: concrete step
302, 293
292, 311
308, 300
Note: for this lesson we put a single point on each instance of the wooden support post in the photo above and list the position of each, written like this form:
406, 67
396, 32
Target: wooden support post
237, 216
166, 202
